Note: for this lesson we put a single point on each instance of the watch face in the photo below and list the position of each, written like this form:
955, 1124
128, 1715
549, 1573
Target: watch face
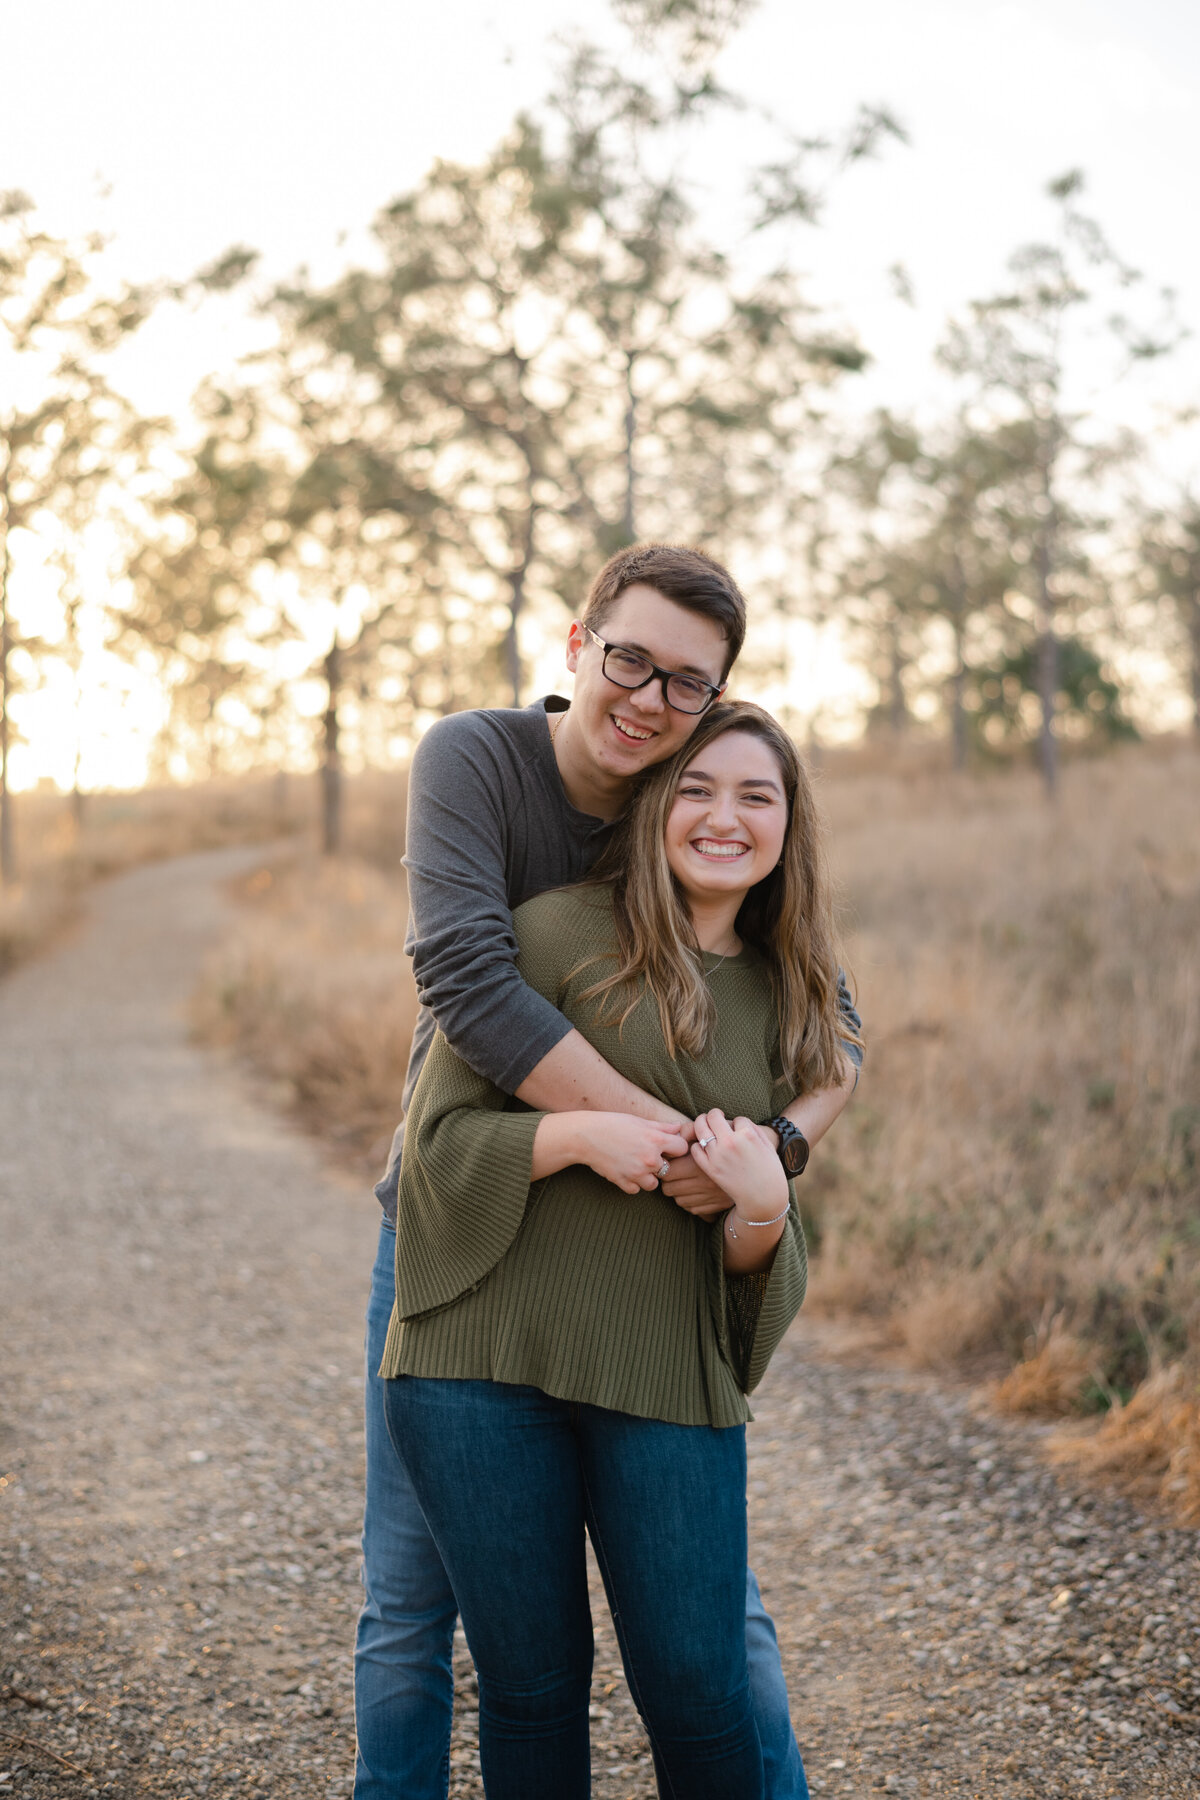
793, 1154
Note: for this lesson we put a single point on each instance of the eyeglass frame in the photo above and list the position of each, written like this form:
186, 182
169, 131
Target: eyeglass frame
656, 674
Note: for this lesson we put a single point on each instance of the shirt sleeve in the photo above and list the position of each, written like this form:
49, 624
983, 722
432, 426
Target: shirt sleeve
461, 934
849, 1013
465, 1177
751, 1313
464, 1186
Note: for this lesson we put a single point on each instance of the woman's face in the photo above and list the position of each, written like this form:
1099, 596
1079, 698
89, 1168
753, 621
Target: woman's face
726, 828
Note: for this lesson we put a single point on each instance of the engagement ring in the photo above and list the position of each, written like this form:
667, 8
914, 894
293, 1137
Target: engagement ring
702, 1142
664, 1171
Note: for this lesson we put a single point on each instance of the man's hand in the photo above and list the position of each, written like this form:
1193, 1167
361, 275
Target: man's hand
689, 1187
628, 1152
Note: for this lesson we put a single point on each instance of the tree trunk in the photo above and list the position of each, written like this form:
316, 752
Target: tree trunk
1194, 634
1047, 659
629, 518
8, 855
331, 764
212, 744
512, 646
1047, 678
958, 717
77, 795
516, 584
897, 704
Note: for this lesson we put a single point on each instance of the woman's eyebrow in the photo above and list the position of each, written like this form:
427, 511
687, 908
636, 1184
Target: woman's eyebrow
750, 782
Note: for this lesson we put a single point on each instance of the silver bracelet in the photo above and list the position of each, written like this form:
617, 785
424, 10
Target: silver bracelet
756, 1224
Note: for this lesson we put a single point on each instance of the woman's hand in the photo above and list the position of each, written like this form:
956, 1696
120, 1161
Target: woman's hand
738, 1158
693, 1191
625, 1150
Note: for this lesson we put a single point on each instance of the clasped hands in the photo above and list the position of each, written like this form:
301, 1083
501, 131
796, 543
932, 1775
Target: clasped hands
702, 1164
719, 1150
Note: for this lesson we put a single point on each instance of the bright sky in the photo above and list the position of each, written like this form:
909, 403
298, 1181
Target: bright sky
285, 124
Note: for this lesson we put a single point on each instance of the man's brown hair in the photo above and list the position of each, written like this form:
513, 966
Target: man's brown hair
691, 578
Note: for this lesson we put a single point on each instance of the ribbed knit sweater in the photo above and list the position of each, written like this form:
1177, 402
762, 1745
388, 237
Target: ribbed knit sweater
570, 1285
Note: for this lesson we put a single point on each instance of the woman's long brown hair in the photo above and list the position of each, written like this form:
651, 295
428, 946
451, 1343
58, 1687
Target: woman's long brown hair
788, 916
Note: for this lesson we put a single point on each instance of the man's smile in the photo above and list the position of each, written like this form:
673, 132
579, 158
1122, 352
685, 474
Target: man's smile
637, 734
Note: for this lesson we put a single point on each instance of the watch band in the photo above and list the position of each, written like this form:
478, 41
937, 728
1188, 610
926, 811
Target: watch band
793, 1150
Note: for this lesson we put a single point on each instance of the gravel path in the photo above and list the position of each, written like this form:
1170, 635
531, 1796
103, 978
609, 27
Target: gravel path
180, 1381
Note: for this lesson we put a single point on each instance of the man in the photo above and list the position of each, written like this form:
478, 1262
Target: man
504, 804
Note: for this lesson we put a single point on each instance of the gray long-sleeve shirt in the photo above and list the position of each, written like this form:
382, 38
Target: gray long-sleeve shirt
489, 826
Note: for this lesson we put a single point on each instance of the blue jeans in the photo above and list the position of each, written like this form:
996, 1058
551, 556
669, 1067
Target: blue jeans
403, 1683
508, 1477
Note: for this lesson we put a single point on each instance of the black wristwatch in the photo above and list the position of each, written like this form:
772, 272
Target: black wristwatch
793, 1146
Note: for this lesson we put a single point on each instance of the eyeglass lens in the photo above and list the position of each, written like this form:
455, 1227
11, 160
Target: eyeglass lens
629, 670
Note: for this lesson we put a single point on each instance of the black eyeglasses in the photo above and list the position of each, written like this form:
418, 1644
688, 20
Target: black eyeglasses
630, 669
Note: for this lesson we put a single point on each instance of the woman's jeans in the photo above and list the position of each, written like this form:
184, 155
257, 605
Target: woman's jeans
507, 1477
403, 1682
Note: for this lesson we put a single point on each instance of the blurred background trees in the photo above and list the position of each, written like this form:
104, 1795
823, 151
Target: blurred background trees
1016, 349
65, 436
378, 515
1168, 562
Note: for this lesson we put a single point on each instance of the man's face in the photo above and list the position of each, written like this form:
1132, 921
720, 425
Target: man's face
623, 731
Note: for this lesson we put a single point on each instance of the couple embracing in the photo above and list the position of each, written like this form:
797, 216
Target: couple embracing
633, 1026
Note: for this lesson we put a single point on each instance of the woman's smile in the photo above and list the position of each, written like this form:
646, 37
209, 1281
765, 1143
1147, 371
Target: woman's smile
728, 820
720, 849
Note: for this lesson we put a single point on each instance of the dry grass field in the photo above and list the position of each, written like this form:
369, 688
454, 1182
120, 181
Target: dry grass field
1024, 1160
1020, 1179
1015, 1191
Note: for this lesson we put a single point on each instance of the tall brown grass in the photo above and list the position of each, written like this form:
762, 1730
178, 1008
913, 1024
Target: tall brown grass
1027, 1142
1150, 1444
315, 990
1016, 1186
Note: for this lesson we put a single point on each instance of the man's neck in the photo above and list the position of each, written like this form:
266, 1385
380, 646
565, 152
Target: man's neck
587, 787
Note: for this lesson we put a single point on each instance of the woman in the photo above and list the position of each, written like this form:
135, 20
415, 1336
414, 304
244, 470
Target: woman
569, 1348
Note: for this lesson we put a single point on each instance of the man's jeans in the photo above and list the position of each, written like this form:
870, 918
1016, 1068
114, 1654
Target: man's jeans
402, 1674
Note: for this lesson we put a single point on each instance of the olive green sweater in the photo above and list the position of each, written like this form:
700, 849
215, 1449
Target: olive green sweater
570, 1285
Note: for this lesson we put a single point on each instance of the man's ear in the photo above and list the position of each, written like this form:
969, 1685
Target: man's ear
576, 639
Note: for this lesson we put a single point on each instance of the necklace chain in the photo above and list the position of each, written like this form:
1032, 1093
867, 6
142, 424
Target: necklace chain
556, 720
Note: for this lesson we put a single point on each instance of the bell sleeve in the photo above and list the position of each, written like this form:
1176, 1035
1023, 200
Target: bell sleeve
468, 1152
756, 1310
464, 1183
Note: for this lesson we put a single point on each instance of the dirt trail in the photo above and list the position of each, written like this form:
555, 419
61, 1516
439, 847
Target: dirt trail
180, 1381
